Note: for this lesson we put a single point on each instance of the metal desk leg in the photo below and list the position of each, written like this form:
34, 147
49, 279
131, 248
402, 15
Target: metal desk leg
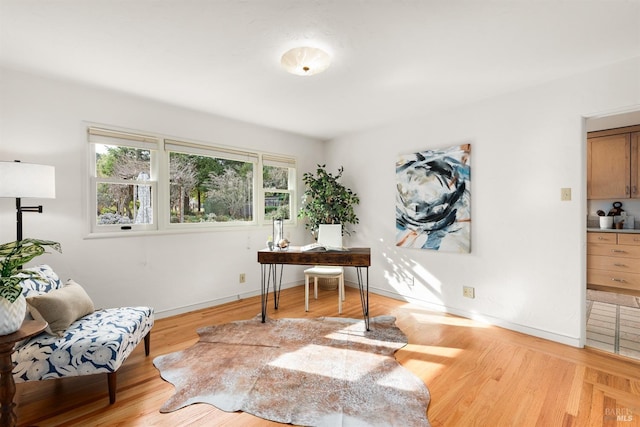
269, 275
276, 289
265, 279
364, 295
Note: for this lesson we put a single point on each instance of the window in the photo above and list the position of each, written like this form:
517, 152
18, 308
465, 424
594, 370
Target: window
210, 184
123, 186
278, 183
147, 183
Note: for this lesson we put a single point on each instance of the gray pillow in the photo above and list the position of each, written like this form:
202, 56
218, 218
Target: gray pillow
61, 307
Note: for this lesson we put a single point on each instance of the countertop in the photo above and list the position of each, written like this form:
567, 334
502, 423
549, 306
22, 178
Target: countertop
611, 230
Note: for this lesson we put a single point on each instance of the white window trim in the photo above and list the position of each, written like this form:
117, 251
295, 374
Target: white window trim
269, 159
221, 152
160, 146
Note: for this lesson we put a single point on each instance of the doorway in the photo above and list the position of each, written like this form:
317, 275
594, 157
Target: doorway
612, 313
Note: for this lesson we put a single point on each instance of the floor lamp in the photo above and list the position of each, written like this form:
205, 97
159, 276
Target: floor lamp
20, 180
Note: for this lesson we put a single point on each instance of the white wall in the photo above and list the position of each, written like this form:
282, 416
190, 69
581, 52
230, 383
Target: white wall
41, 122
527, 262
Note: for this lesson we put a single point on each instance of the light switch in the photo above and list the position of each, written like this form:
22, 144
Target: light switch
565, 194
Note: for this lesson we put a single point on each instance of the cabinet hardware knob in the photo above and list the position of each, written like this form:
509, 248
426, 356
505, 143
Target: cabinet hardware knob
626, 190
618, 251
635, 189
617, 280
619, 265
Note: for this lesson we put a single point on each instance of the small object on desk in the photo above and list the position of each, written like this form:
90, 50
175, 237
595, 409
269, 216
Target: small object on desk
317, 247
283, 244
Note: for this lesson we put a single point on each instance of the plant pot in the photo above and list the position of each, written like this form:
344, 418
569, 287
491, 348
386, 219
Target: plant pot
606, 222
12, 315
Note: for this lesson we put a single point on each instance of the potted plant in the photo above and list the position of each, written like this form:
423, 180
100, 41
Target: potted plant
327, 201
12, 256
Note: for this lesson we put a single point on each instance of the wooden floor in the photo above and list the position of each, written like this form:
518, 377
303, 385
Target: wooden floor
478, 375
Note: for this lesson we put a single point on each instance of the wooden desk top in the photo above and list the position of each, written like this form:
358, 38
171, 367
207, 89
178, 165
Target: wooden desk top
354, 257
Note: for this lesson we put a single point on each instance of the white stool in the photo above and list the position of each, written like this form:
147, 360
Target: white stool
325, 272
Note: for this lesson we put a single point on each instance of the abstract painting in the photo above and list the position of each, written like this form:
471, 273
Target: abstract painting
433, 199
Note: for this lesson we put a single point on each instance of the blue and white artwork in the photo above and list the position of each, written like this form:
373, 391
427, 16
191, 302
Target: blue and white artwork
433, 199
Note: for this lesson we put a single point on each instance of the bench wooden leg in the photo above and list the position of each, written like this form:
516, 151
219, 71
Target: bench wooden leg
147, 343
111, 380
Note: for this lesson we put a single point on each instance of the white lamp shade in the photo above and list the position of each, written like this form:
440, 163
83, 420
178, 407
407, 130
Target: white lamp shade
305, 61
19, 179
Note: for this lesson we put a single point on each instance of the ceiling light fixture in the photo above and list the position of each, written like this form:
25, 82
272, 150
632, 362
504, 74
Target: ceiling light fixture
305, 61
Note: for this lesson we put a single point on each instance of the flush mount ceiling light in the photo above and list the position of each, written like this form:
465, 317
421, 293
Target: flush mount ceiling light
305, 61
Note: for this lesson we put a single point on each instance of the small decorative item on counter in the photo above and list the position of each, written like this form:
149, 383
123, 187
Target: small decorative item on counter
606, 222
617, 209
270, 243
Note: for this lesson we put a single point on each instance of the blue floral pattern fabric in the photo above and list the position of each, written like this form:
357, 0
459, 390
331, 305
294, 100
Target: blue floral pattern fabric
45, 281
96, 343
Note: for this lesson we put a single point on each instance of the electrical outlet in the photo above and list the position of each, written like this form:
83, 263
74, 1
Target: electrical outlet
565, 194
468, 291
243, 278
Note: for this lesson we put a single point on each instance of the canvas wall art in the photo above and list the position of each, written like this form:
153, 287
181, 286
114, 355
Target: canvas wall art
433, 199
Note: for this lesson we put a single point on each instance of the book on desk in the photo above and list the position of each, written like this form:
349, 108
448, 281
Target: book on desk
318, 247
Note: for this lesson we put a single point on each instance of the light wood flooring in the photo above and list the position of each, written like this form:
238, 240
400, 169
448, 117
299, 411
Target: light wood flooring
478, 375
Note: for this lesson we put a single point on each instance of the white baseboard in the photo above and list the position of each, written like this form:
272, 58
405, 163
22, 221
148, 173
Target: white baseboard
214, 302
490, 320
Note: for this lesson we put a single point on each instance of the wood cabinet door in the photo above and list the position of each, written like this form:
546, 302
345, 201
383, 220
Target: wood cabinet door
635, 165
609, 167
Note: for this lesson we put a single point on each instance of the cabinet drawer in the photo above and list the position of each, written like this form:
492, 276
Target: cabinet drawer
619, 251
613, 279
629, 239
601, 238
600, 262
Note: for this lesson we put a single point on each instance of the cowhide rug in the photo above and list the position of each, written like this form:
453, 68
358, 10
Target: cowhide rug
320, 372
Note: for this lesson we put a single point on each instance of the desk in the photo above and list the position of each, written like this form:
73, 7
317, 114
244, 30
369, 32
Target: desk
360, 258
28, 329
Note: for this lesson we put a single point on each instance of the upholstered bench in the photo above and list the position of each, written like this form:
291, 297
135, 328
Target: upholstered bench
99, 341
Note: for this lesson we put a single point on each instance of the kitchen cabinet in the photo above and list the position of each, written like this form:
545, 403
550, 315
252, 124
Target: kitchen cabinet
613, 170
613, 262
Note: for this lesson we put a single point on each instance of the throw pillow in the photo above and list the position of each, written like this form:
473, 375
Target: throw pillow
61, 307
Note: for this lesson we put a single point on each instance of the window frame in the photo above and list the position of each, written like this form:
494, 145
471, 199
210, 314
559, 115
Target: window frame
269, 159
112, 137
191, 148
160, 147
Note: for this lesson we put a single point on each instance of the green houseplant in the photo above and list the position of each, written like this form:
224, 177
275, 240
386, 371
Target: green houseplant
12, 256
327, 201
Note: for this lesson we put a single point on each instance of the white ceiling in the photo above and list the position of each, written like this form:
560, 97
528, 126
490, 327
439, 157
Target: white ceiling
392, 59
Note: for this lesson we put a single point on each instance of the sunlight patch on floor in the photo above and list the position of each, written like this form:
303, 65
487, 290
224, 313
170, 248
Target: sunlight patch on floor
301, 360
447, 320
